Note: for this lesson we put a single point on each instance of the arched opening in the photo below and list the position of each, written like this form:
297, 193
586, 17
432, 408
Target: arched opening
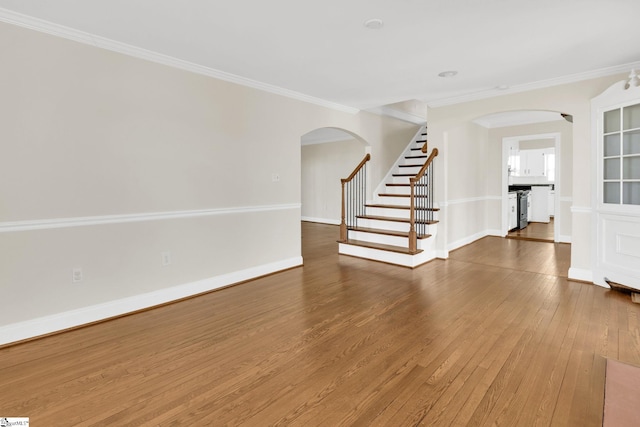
327, 155
534, 183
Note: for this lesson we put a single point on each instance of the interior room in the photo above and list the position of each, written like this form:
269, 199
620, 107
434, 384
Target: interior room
261, 213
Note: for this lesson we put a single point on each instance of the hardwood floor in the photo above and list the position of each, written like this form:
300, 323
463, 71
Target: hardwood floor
494, 335
535, 231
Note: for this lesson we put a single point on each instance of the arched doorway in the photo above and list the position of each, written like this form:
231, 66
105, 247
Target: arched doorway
535, 173
327, 155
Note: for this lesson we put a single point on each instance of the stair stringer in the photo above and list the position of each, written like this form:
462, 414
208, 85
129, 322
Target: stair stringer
399, 161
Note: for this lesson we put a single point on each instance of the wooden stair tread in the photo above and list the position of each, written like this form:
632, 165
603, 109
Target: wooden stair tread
403, 174
393, 219
420, 140
375, 205
386, 232
388, 248
392, 184
423, 156
410, 166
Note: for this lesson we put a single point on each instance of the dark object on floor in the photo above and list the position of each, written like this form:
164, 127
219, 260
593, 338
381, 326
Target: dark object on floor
620, 288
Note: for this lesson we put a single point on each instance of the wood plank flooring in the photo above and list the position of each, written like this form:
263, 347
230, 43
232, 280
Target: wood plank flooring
494, 335
536, 231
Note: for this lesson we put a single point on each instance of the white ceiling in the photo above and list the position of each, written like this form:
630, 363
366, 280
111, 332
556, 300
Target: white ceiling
321, 49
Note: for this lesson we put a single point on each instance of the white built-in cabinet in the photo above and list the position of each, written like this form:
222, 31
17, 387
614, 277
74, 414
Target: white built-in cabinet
616, 210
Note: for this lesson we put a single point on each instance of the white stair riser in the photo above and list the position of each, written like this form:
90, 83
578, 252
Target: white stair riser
392, 225
397, 190
395, 213
419, 162
388, 257
388, 240
398, 201
412, 170
379, 238
384, 225
400, 179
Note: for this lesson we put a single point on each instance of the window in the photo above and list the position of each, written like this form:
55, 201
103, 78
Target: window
621, 156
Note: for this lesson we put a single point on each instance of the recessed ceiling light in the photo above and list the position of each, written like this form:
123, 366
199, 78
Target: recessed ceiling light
373, 24
502, 87
448, 73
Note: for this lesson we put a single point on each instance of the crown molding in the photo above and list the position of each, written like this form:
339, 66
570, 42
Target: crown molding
57, 30
572, 78
397, 114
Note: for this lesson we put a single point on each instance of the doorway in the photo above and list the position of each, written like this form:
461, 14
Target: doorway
531, 175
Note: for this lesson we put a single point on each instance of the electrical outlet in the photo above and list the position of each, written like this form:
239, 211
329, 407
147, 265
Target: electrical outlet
76, 275
275, 177
166, 258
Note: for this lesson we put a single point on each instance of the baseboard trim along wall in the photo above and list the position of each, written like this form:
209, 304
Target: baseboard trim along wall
58, 322
321, 220
581, 274
119, 219
470, 239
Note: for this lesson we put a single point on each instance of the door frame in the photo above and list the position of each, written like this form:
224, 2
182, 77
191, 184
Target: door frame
557, 217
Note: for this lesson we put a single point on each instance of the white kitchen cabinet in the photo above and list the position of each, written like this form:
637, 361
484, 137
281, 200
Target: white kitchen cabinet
532, 162
552, 203
539, 203
512, 213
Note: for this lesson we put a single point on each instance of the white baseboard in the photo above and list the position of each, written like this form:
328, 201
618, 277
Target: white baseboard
321, 220
564, 238
496, 233
581, 274
442, 254
69, 319
469, 239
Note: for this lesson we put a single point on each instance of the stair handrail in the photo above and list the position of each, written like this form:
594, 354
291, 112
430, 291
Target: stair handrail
343, 181
413, 237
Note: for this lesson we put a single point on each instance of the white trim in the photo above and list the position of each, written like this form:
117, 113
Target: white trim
566, 199
516, 118
385, 110
467, 240
470, 200
564, 238
41, 224
581, 209
572, 78
581, 274
325, 140
321, 220
73, 318
47, 27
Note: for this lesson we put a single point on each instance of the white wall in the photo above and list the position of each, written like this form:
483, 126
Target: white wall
109, 160
572, 99
466, 179
323, 165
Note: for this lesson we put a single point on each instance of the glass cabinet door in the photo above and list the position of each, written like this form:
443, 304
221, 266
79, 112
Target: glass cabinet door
621, 156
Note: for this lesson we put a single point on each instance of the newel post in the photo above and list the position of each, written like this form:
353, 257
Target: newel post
343, 224
413, 238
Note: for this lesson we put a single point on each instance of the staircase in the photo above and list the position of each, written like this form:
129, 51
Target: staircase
394, 228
